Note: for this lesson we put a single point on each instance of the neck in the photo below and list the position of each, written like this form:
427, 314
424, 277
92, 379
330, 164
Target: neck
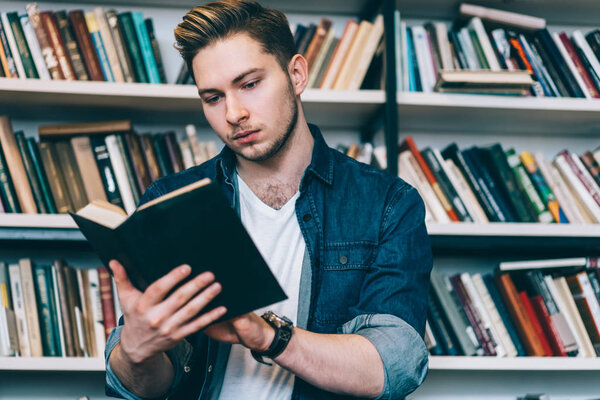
288, 165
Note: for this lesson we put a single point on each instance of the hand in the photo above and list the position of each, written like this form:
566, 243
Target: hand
249, 330
154, 323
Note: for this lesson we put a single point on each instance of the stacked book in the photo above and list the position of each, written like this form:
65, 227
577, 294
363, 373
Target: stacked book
493, 184
74, 164
526, 308
94, 46
492, 51
55, 310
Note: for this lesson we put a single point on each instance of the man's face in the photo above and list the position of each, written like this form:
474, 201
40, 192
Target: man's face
247, 97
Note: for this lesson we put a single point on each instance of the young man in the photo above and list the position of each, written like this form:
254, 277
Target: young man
347, 243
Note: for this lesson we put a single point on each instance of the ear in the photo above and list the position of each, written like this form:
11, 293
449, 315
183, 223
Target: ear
298, 70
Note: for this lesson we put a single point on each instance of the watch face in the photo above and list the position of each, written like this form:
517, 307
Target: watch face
277, 320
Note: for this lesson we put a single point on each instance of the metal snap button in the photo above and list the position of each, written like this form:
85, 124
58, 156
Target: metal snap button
210, 368
186, 368
307, 217
343, 260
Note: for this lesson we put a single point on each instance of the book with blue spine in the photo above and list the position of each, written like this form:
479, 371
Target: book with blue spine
92, 24
144, 40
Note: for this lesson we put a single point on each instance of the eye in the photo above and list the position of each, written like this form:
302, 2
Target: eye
212, 100
251, 85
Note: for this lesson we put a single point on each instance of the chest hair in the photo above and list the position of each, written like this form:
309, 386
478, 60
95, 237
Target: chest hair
275, 195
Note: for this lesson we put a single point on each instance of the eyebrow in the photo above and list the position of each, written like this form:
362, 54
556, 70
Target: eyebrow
235, 80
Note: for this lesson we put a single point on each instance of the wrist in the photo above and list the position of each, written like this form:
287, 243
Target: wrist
268, 337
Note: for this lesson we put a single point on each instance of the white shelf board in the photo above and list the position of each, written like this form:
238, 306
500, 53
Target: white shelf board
555, 11
443, 112
72, 364
141, 102
522, 230
514, 364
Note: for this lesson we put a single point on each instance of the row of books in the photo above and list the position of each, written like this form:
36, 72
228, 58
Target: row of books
493, 184
471, 55
349, 62
537, 308
92, 46
74, 164
55, 310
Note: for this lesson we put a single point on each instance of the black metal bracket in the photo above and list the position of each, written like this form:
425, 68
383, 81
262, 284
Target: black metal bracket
391, 107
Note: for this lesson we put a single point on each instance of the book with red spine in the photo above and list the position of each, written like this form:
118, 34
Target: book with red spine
108, 301
541, 311
537, 327
585, 76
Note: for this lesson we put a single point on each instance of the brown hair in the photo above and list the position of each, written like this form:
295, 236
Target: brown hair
203, 25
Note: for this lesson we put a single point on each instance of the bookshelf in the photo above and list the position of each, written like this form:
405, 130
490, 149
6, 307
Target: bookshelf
535, 124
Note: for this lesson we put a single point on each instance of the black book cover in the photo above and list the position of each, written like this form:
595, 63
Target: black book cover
547, 61
306, 38
197, 227
106, 171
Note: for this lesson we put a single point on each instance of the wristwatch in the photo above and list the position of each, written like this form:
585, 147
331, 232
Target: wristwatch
283, 333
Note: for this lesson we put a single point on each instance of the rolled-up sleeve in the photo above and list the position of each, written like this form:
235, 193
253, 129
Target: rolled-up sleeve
179, 356
392, 306
401, 348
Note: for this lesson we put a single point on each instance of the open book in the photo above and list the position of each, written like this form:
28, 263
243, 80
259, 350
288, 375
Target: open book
193, 225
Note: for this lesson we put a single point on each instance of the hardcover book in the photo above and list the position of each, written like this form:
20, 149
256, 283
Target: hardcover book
193, 225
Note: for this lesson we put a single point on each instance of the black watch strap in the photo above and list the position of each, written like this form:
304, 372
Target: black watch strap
284, 329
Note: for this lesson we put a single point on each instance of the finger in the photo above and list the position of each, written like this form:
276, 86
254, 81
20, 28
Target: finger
192, 308
156, 292
124, 285
200, 323
183, 294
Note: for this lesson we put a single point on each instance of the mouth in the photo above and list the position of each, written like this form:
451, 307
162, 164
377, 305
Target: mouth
245, 136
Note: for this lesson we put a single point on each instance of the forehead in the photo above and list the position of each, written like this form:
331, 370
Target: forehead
225, 59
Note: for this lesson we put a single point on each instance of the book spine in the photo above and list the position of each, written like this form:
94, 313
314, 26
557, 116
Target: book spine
499, 166
43, 302
8, 195
548, 328
74, 309
146, 47
21, 42
14, 49
86, 164
464, 190
127, 26
31, 309
171, 145
86, 311
55, 176
155, 50
150, 156
64, 63
592, 165
504, 315
106, 172
583, 306
128, 168
32, 150
92, 26
64, 26
6, 56
16, 168
63, 327
118, 165
458, 324
450, 192
453, 153
68, 165
106, 295
158, 143
109, 45
537, 327
97, 316
542, 187
34, 47
582, 174
473, 316
18, 301
527, 187
519, 315
120, 46
34, 183
84, 40
571, 65
139, 165
44, 42
438, 326
587, 80
54, 313
545, 57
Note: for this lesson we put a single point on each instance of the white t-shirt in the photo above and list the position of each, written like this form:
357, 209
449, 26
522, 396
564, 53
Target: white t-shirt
277, 236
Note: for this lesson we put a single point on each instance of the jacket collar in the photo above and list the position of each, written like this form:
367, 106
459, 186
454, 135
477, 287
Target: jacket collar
321, 164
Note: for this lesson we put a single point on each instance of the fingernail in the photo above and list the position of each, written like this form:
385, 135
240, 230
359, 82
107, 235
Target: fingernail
185, 269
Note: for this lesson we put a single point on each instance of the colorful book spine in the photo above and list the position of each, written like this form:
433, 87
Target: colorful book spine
34, 47
133, 46
92, 25
146, 46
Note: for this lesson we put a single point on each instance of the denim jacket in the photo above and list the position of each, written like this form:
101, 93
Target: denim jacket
366, 272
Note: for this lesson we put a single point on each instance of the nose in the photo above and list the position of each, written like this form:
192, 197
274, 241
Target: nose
236, 111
